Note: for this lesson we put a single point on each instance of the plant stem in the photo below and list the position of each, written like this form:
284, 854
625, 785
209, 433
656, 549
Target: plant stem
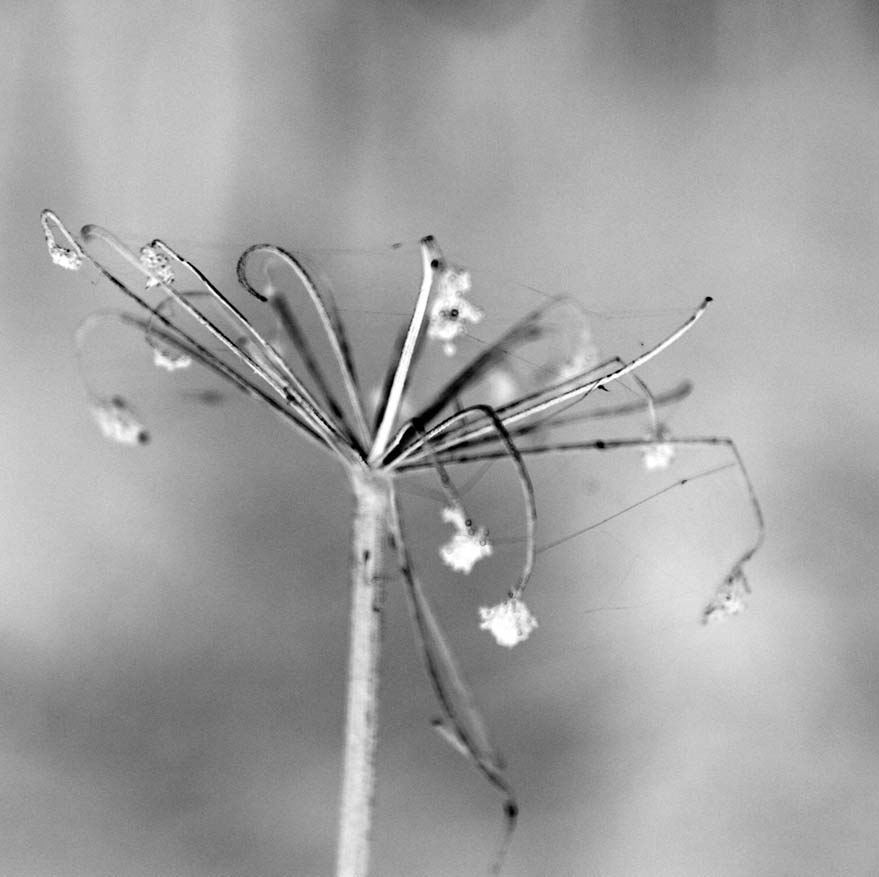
374, 495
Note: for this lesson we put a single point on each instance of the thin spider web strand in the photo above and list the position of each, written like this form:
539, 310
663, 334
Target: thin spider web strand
615, 444
681, 482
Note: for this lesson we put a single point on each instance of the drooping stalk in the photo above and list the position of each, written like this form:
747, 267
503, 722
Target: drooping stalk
373, 494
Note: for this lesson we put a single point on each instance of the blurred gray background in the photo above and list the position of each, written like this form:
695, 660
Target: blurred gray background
173, 618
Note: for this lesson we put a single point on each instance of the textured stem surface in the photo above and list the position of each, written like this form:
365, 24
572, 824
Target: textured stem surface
374, 495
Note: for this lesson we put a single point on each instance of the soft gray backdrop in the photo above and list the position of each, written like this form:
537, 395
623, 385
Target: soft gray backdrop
172, 620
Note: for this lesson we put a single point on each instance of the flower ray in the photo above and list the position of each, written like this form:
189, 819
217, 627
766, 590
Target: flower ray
325, 306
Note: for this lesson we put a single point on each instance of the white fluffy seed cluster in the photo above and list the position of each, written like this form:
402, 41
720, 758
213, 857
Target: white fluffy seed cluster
156, 262
451, 311
169, 360
658, 457
510, 622
118, 422
64, 258
467, 545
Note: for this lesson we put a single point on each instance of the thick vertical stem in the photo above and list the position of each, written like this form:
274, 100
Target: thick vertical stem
374, 495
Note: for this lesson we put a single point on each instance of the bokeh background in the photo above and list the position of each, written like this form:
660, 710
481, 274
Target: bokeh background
173, 618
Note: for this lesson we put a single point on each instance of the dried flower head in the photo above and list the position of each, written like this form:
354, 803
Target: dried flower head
377, 447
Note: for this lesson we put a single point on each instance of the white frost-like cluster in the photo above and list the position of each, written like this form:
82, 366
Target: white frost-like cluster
64, 258
467, 544
170, 360
658, 456
68, 258
730, 599
118, 422
510, 622
451, 310
156, 262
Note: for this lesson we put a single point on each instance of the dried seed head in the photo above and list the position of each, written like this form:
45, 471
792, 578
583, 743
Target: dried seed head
118, 422
451, 311
467, 545
510, 622
156, 262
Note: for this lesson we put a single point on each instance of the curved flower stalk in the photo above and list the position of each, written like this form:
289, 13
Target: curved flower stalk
443, 433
